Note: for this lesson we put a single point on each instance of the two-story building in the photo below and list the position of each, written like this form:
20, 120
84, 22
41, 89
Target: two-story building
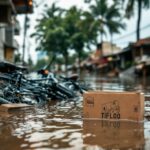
9, 26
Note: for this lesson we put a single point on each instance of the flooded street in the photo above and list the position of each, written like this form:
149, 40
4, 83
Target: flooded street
59, 125
49, 49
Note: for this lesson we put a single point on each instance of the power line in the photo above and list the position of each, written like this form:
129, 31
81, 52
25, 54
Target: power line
127, 35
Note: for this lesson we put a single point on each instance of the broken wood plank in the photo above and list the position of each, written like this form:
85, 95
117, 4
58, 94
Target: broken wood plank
13, 106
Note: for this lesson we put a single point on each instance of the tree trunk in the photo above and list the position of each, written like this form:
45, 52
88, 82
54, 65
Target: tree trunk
79, 61
51, 62
111, 41
102, 43
66, 62
139, 19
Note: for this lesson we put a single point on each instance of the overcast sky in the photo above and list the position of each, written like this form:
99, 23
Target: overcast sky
118, 39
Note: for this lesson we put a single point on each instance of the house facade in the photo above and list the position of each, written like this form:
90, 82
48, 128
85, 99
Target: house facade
9, 26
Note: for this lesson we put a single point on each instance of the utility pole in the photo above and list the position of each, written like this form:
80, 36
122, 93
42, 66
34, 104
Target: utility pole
24, 39
25, 30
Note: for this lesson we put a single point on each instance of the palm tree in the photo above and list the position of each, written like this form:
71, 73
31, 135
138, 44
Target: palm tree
77, 37
89, 27
130, 8
108, 17
114, 21
99, 11
49, 21
51, 35
60, 31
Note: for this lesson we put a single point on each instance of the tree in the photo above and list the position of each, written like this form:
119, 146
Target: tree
81, 33
59, 31
17, 58
76, 36
130, 9
99, 10
51, 34
108, 17
114, 21
89, 27
40, 63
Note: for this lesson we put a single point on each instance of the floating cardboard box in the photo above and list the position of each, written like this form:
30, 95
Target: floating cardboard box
113, 134
113, 105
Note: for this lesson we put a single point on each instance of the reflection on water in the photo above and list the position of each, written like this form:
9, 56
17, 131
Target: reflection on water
114, 134
59, 125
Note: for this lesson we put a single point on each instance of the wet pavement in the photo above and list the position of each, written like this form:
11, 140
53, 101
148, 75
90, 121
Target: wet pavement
59, 125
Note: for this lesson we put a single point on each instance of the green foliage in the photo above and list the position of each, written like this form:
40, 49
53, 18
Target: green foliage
108, 17
40, 64
59, 31
17, 58
132, 6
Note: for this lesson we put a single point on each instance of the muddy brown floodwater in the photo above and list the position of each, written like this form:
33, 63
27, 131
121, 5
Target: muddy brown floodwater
59, 124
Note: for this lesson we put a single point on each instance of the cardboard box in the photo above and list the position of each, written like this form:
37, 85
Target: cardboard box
113, 134
113, 105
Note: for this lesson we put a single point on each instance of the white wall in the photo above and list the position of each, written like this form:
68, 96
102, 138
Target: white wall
2, 37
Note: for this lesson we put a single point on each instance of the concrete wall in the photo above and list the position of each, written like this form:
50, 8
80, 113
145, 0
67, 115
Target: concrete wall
2, 38
109, 48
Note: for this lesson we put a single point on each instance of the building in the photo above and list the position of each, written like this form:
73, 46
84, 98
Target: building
9, 26
141, 49
141, 55
102, 58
